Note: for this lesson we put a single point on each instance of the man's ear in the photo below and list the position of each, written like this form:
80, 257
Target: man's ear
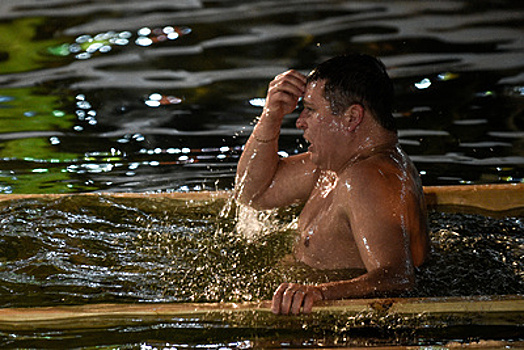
354, 115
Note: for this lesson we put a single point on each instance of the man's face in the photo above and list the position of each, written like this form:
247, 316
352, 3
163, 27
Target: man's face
322, 129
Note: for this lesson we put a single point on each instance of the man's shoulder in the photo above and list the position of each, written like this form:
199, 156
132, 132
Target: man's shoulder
374, 179
379, 168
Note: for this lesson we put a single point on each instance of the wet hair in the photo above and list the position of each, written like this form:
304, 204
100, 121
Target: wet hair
357, 79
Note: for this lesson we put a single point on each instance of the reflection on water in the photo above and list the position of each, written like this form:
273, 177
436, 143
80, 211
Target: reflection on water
161, 95
85, 46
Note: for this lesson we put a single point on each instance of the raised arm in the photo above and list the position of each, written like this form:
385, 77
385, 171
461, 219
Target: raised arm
264, 180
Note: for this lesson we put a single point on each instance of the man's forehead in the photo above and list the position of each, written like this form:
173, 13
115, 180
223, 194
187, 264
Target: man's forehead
314, 84
314, 90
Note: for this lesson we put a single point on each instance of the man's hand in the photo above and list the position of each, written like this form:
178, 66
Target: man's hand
284, 92
290, 298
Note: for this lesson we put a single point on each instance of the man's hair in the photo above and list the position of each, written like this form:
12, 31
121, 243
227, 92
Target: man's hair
357, 79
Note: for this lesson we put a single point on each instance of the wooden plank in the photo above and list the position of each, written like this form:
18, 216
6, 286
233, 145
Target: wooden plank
500, 197
491, 198
195, 196
499, 310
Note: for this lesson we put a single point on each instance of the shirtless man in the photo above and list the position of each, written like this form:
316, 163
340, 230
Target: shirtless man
364, 205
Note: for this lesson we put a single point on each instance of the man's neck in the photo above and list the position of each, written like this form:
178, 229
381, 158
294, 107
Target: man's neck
375, 141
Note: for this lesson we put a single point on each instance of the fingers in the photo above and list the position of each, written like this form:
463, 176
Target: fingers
284, 92
296, 304
277, 298
292, 298
309, 300
290, 82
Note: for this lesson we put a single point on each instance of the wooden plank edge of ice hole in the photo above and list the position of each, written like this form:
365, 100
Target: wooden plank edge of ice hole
495, 310
490, 198
495, 198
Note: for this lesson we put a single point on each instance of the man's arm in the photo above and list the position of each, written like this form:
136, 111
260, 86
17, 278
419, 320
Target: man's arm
378, 223
264, 180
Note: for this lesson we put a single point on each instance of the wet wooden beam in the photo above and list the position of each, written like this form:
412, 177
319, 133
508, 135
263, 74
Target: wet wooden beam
491, 198
503, 197
480, 310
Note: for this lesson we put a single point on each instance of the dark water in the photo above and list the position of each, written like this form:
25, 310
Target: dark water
161, 95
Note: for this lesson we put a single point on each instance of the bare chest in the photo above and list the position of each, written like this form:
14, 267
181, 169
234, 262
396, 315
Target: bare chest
326, 240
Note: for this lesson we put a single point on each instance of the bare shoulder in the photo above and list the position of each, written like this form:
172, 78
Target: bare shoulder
384, 197
374, 179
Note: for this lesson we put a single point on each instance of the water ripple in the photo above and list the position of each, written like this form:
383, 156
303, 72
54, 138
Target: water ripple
456, 68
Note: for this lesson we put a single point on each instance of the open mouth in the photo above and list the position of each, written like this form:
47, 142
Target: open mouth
309, 146
307, 142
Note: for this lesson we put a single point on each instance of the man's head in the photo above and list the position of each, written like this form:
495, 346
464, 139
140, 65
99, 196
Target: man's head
357, 79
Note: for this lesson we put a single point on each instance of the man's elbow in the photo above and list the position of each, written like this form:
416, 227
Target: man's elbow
398, 281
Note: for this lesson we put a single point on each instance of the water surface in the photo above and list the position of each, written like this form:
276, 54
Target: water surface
161, 95
78, 250
100, 249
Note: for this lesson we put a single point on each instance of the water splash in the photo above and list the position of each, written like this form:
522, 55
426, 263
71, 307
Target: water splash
106, 250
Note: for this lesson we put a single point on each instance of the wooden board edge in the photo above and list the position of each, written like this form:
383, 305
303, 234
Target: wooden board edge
496, 197
490, 197
196, 196
408, 306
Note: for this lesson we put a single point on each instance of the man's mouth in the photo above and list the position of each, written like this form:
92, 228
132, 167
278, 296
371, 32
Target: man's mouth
308, 143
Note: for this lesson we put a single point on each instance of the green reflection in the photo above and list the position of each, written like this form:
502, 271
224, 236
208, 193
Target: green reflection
20, 51
34, 149
27, 109
34, 165
53, 180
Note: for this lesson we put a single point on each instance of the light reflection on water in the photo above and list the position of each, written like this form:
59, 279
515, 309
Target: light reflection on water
85, 46
93, 78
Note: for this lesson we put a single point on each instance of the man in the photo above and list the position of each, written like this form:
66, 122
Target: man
364, 205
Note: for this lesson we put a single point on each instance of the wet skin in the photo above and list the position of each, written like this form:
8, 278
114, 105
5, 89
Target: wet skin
364, 206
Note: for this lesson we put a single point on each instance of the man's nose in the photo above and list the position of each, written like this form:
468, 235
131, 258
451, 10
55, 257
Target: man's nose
301, 123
